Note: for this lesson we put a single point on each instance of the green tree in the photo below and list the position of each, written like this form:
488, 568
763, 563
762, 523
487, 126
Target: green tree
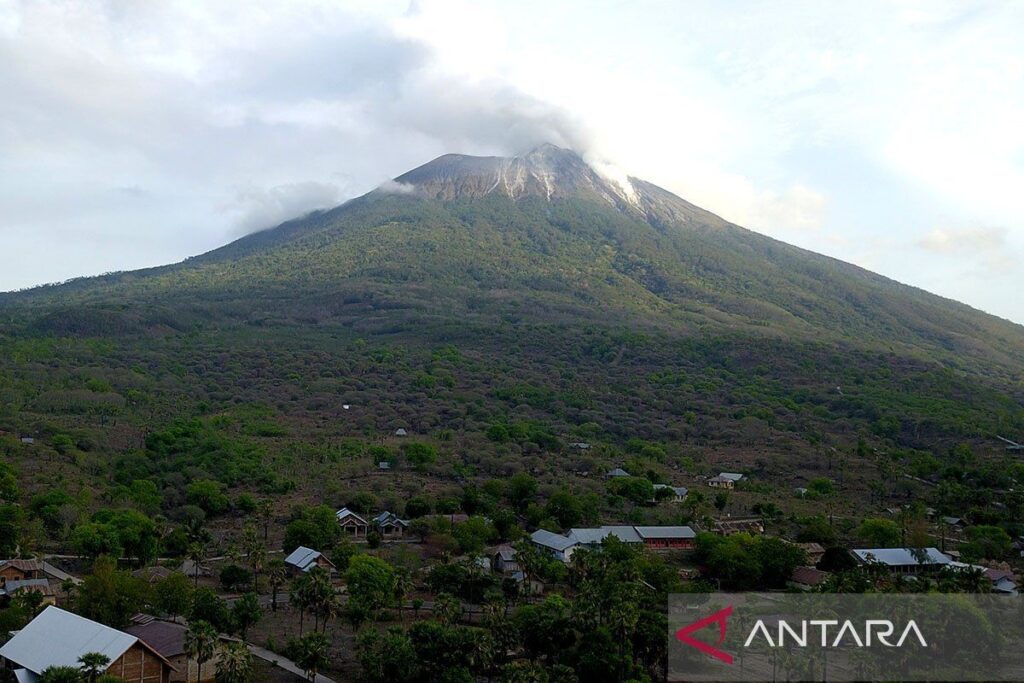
173, 595
109, 595
235, 664
92, 665
565, 508
60, 674
200, 644
311, 653
371, 583
208, 495
986, 542
879, 533
277, 575
419, 455
246, 613
386, 656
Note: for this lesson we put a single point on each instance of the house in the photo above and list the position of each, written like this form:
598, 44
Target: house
800, 491
193, 570
667, 537
725, 480
21, 569
503, 560
678, 492
59, 638
168, 640
401, 432
814, 552
580, 445
557, 546
806, 578
152, 574
737, 525
902, 560
389, 525
56, 574
351, 523
303, 559
657, 537
592, 538
28, 440
383, 465
955, 522
615, 473
41, 586
1003, 581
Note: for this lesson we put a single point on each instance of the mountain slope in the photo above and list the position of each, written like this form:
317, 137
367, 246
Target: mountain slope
503, 309
544, 237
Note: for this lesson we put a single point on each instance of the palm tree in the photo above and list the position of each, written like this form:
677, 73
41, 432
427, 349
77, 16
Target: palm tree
403, 586
196, 553
321, 595
92, 664
257, 553
312, 653
200, 644
277, 574
235, 664
265, 512
299, 596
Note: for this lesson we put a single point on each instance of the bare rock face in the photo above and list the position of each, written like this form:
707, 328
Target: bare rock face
550, 173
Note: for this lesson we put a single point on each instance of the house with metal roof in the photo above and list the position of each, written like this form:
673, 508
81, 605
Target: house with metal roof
726, 480
592, 537
390, 525
664, 537
304, 559
354, 525
903, 560
41, 586
615, 473
678, 492
168, 639
58, 638
556, 545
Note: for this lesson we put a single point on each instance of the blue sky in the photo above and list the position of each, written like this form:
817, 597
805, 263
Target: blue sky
885, 134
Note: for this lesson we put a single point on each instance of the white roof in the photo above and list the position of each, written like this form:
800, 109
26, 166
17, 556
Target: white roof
900, 557
551, 540
617, 472
389, 518
302, 557
678, 490
345, 513
626, 534
59, 638
730, 475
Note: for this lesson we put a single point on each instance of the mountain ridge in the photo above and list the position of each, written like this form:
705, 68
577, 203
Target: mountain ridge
545, 233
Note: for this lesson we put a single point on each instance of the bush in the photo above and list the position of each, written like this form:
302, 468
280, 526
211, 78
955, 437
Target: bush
233, 576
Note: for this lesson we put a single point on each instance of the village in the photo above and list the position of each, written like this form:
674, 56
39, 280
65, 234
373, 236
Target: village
303, 611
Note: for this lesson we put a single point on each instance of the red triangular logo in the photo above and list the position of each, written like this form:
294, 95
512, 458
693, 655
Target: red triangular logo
719, 617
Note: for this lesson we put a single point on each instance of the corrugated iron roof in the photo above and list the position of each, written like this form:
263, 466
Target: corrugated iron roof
59, 638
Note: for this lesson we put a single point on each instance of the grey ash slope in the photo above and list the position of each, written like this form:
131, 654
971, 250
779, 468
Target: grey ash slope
543, 238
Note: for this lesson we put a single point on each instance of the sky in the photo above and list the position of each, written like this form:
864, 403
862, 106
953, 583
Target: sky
886, 134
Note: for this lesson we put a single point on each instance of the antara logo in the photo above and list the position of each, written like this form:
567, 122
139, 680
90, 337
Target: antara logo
721, 618
833, 633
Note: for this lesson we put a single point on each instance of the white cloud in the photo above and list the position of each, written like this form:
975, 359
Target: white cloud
828, 125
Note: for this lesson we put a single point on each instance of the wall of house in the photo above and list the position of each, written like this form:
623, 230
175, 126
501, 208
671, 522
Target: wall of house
11, 574
139, 665
680, 543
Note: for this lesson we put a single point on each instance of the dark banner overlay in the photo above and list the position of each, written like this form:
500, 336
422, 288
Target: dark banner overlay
828, 637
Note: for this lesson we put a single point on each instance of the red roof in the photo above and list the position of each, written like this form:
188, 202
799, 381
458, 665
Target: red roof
808, 576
